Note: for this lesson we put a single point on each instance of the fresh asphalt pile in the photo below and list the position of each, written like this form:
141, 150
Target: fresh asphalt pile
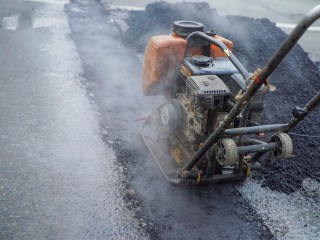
255, 40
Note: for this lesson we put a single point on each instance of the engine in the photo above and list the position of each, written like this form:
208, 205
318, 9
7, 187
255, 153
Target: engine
203, 96
197, 110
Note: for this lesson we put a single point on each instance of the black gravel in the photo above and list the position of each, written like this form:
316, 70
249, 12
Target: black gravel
255, 40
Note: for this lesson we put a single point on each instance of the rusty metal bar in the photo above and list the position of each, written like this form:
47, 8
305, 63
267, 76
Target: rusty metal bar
257, 148
253, 130
252, 141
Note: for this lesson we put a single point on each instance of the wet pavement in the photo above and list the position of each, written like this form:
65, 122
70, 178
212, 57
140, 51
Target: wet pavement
72, 163
58, 179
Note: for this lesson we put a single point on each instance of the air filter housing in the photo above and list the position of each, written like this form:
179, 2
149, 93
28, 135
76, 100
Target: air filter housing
207, 92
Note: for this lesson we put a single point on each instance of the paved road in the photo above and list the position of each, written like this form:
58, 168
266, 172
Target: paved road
72, 163
58, 179
113, 71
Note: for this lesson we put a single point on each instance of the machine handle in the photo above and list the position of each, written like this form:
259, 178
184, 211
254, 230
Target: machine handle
220, 45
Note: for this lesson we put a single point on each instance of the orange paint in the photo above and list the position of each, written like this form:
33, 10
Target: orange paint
162, 57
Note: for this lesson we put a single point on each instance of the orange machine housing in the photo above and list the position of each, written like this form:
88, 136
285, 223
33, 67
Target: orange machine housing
163, 56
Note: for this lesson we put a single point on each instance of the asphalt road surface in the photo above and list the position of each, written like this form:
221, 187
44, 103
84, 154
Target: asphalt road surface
72, 163
58, 179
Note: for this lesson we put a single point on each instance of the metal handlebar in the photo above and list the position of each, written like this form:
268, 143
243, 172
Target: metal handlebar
220, 45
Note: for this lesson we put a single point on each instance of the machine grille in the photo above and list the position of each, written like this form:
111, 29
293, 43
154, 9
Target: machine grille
208, 90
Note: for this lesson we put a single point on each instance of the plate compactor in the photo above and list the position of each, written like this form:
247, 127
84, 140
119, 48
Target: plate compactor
208, 129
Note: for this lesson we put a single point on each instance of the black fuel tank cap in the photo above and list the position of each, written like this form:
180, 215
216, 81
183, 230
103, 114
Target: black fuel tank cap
201, 60
184, 28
